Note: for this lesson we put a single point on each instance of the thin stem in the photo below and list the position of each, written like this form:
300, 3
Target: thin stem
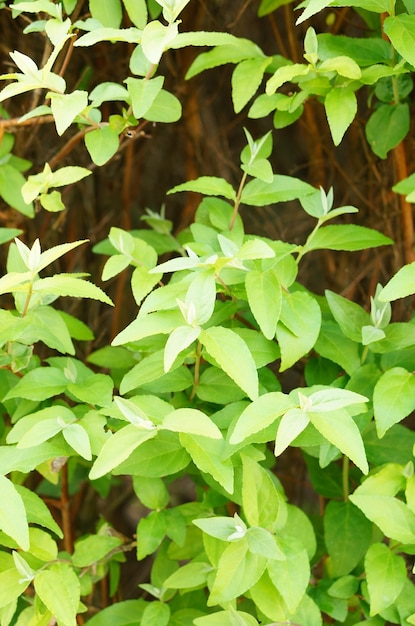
197, 370
28, 298
237, 201
345, 477
303, 250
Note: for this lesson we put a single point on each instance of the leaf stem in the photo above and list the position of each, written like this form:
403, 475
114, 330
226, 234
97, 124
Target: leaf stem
237, 201
197, 370
345, 478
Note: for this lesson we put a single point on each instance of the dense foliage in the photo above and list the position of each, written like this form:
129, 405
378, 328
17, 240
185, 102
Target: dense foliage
193, 392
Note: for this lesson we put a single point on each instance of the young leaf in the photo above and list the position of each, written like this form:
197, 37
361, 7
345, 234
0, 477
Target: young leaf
233, 356
246, 79
400, 30
61, 601
191, 421
393, 516
102, 143
281, 189
156, 38
400, 285
341, 108
143, 93
260, 498
71, 285
259, 415
107, 12
180, 339
349, 237
65, 108
207, 454
292, 574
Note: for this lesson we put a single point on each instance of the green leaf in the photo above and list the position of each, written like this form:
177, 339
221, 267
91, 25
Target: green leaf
298, 327
208, 455
341, 107
400, 285
151, 531
152, 492
260, 499
163, 322
226, 618
143, 93
387, 127
363, 51
107, 12
281, 189
40, 384
238, 570
59, 590
102, 143
234, 52
11, 585
290, 426
191, 421
137, 12
350, 316
333, 345
400, 30
246, 78
130, 35
13, 519
265, 299
207, 185
393, 398
65, 108
37, 511
259, 415
166, 108
385, 575
180, 339
233, 356
67, 285
340, 430
156, 613
77, 437
156, 38
93, 548
122, 613
118, 448
347, 535
346, 237
11, 183
392, 516
291, 575
189, 576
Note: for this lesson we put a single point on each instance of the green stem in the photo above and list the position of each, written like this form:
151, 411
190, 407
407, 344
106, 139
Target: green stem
197, 370
304, 249
237, 201
345, 477
27, 302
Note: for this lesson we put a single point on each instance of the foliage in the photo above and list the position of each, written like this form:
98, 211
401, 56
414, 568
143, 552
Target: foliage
191, 388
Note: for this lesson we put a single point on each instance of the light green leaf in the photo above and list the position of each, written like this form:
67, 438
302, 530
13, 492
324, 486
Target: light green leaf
292, 574
118, 448
350, 316
137, 12
209, 38
347, 534
13, 519
340, 430
65, 108
40, 384
189, 576
129, 35
262, 504
341, 107
192, 421
102, 143
387, 127
143, 93
298, 326
313, 7
107, 12
11, 184
265, 300
49, 256
52, 201
70, 285
226, 618
385, 575
400, 285
151, 491
234, 52
61, 601
393, 398
346, 237
11, 585
285, 74
343, 65
333, 345
147, 325
259, 415
208, 185
282, 189
246, 78
393, 516
400, 30
207, 454
238, 570
142, 282
166, 108
107, 91
77, 437
180, 339
93, 548
156, 613
37, 511
156, 38
290, 426
233, 356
